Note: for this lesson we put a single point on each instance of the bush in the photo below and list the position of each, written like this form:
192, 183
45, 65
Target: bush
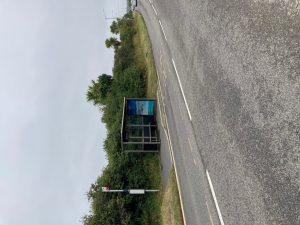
123, 171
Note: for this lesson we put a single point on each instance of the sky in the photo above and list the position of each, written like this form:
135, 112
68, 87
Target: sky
51, 139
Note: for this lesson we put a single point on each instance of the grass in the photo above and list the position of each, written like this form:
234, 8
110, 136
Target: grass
154, 202
144, 55
171, 209
145, 61
165, 207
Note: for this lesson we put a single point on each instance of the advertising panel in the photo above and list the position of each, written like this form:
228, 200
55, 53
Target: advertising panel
140, 107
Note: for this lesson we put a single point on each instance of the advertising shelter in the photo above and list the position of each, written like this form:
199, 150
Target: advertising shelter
139, 132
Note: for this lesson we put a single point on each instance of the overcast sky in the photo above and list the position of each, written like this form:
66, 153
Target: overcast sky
50, 137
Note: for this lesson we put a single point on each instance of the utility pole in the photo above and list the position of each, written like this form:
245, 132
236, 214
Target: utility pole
130, 191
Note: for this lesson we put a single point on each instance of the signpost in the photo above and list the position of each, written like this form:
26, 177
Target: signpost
130, 191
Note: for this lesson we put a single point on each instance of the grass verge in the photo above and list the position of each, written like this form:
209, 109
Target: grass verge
144, 56
145, 61
171, 209
153, 203
165, 206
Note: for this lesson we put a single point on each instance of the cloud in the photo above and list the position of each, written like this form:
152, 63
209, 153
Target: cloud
50, 137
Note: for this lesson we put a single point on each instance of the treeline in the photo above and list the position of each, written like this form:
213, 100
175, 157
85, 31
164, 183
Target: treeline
123, 171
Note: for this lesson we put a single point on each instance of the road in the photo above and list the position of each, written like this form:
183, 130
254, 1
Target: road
230, 84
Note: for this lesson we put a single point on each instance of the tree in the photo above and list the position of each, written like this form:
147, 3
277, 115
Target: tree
123, 171
112, 42
98, 91
114, 27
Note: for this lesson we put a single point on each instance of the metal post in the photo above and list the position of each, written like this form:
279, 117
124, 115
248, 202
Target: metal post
130, 191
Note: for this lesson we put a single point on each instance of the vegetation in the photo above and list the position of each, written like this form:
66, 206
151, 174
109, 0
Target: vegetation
171, 209
144, 56
134, 75
112, 42
123, 171
168, 202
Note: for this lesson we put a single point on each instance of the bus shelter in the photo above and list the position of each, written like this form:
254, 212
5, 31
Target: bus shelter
139, 131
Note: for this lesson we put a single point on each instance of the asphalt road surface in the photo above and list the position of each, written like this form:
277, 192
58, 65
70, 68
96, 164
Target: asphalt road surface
230, 86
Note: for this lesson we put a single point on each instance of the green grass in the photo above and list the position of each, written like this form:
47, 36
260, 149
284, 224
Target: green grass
154, 202
145, 61
144, 55
171, 209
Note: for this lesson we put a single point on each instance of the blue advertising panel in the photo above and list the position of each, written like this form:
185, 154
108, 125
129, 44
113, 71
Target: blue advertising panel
140, 107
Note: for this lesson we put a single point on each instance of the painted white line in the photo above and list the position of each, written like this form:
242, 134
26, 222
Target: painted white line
154, 10
211, 220
215, 198
162, 28
186, 105
195, 162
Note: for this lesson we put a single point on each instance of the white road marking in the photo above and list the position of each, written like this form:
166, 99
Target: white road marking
211, 220
154, 9
162, 28
195, 162
215, 198
186, 105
